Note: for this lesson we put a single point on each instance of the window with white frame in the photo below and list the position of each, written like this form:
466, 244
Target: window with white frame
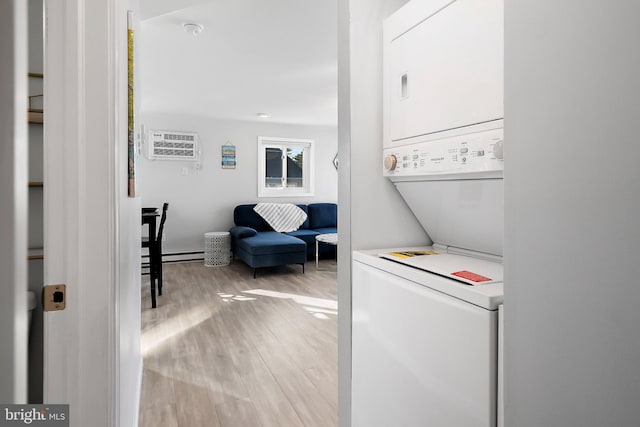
285, 167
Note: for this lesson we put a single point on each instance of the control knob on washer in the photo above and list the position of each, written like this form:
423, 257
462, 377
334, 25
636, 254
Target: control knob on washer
390, 162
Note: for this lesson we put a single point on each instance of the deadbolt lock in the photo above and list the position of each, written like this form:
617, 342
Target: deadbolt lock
54, 297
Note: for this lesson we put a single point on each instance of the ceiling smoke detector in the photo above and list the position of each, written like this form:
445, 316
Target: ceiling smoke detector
193, 29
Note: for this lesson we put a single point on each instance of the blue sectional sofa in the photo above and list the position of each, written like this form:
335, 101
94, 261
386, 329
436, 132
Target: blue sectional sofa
255, 242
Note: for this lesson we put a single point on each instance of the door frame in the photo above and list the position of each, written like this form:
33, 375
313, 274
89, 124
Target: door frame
81, 366
13, 209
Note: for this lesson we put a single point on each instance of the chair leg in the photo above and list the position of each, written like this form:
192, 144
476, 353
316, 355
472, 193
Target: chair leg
160, 279
159, 269
152, 278
155, 266
254, 272
302, 268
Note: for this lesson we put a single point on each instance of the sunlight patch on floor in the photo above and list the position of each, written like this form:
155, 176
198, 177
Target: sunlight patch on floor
318, 307
155, 336
320, 312
321, 316
231, 297
300, 299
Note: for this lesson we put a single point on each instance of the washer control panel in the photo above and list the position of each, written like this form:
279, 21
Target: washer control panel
476, 154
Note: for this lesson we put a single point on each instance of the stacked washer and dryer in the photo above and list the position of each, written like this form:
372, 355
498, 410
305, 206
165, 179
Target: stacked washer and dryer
425, 326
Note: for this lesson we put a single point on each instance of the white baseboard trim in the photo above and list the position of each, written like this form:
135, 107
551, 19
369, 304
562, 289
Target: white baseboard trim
178, 256
183, 256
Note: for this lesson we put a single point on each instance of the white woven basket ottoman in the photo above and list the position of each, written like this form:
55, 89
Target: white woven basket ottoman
217, 248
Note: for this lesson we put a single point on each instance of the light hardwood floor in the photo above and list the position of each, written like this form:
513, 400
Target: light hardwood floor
224, 349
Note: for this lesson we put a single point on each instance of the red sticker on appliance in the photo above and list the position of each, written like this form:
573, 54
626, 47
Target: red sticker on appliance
471, 276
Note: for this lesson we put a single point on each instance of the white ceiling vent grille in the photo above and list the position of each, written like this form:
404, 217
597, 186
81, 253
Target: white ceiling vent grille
173, 145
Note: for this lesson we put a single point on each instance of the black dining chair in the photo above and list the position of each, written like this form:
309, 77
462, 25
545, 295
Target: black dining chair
155, 257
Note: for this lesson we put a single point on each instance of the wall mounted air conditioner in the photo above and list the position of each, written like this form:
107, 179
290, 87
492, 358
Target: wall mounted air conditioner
172, 145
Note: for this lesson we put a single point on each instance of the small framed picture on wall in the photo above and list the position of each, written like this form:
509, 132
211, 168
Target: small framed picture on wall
228, 156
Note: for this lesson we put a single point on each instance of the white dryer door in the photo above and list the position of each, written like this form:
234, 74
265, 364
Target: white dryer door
443, 70
419, 357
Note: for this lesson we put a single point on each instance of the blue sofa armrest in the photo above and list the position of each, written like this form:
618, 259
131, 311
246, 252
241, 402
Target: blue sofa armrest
240, 232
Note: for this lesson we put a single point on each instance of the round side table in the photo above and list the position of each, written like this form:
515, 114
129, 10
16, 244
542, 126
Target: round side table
217, 248
330, 238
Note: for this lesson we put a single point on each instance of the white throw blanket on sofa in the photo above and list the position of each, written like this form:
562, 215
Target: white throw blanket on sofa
282, 217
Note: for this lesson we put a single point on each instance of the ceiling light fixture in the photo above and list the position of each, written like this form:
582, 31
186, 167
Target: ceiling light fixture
263, 115
193, 29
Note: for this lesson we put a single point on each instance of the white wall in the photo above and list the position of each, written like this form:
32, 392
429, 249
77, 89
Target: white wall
386, 213
372, 213
572, 203
204, 199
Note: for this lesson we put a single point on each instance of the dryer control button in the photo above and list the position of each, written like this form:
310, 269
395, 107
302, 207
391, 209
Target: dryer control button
390, 162
498, 150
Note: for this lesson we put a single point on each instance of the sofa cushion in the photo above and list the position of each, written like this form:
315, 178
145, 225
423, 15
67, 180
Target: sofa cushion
270, 260
240, 232
305, 224
271, 242
309, 236
322, 215
244, 215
